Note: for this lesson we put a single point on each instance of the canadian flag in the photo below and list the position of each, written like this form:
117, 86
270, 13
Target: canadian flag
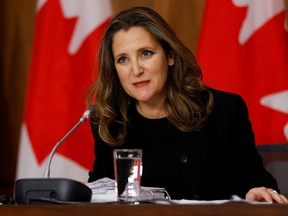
243, 48
66, 40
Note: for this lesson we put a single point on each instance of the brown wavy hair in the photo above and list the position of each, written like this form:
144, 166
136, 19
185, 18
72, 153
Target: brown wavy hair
189, 102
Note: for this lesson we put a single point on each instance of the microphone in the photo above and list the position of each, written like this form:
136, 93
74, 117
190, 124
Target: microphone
54, 190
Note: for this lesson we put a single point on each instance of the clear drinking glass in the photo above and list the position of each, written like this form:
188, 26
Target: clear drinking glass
128, 170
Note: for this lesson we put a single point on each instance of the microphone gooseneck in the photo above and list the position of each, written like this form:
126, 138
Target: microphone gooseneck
86, 115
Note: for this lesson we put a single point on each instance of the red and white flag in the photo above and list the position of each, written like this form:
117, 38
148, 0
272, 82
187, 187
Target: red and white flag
66, 40
243, 48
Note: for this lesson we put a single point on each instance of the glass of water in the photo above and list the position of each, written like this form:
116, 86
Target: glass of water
128, 170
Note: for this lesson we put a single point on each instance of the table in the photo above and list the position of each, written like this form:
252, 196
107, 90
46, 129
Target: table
231, 209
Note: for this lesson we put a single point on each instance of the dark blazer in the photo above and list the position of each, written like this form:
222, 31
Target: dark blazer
216, 162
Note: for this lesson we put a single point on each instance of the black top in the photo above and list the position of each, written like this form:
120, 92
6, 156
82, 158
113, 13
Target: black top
219, 161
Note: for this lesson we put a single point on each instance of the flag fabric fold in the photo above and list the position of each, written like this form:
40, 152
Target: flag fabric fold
243, 48
66, 40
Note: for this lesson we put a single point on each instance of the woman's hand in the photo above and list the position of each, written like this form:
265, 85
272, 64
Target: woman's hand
263, 194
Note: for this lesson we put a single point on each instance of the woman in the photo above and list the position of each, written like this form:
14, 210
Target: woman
197, 142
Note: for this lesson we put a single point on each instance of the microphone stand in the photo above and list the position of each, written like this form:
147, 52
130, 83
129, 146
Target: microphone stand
53, 190
84, 117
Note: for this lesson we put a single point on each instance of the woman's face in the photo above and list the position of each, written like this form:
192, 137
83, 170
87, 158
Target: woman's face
141, 65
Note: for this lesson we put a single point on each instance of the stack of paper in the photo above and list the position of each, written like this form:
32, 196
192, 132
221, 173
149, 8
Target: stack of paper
103, 190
